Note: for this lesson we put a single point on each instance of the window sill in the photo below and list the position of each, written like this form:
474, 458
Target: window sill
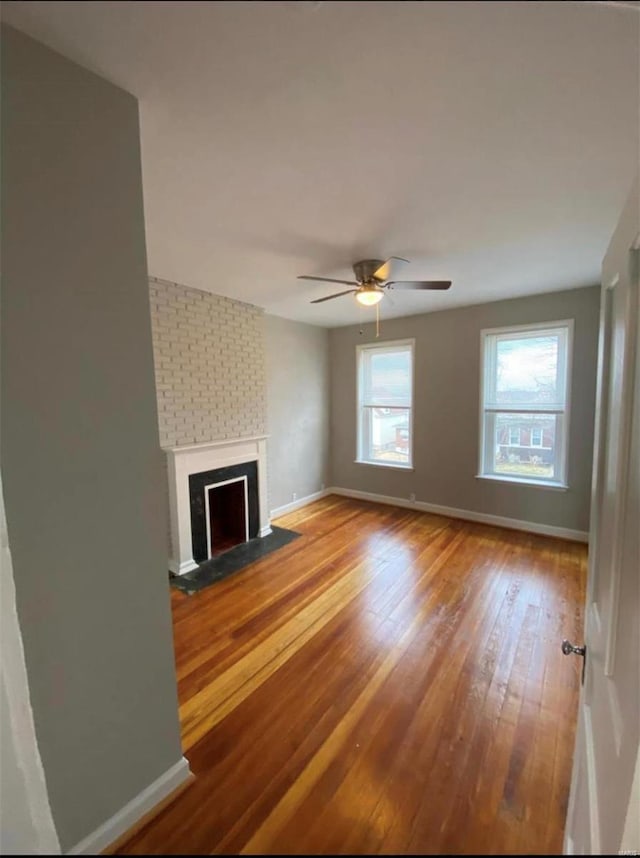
521, 481
388, 465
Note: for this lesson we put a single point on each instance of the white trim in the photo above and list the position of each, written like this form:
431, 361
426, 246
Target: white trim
297, 504
568, 387
521, 481
540, 410
532, 326
592, 783
616, 715
599, 438
620, 4
134, 810
595, 616
182, 568
584, 788
467, 515
242, 479
227, 442
265, 531
623, 442
630, 835
613, 282
392, 465
514, 331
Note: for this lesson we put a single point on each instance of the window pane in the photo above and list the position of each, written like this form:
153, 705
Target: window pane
387, 377
528, 370
524, 445
386, 435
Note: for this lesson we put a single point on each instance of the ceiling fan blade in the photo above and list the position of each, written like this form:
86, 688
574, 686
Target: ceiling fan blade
419, 284
384, 271
329, 297
328, 280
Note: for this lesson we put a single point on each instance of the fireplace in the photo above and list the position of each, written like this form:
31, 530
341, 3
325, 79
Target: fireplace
224, 508
227, 516
217, 497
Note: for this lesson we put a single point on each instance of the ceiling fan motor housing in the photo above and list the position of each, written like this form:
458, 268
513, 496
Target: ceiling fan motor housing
365, 268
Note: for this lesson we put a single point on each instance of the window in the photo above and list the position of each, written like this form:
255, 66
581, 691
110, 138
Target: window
385, 398
524, 407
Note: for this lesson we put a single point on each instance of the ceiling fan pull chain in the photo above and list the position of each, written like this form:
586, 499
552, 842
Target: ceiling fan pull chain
377, 320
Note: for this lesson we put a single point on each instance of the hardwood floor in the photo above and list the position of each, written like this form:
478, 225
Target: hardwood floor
390, 682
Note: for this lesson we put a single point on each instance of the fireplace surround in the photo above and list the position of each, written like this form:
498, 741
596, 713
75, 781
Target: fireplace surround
193, 465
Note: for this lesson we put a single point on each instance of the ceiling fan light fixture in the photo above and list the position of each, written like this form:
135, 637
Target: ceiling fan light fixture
371, 280
369, 297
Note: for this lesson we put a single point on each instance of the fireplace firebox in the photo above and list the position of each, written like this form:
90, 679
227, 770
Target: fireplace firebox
224, 508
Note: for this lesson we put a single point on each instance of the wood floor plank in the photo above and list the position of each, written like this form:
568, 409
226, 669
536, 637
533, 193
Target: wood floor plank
212, 703
291, 803
457, 752
389, 682
393, 720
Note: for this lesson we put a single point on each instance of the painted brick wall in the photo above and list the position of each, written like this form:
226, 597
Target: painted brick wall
209, 355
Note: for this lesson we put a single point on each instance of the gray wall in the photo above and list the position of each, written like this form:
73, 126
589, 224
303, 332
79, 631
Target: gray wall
82, 469
298, 409
446, 416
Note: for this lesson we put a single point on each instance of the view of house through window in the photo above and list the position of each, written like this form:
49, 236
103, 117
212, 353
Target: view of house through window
524, 414
385, 392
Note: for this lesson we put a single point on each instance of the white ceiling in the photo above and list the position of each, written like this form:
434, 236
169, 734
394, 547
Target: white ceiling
492, 144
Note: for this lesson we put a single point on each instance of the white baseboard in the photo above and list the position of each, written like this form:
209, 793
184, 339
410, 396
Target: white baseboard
466, 514
127, 816
265, 531
296, 504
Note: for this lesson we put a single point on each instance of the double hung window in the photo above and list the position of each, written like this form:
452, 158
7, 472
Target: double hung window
524, 408
385, 404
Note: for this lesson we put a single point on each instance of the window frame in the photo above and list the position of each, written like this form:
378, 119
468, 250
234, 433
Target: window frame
386, 345
560, 481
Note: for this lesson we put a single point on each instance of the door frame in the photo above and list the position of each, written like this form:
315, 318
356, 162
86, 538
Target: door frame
584, 765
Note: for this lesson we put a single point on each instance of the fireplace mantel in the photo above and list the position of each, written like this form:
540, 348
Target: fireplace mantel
193, 459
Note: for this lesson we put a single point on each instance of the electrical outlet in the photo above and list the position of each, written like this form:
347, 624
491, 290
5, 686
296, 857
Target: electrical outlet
295, 496
412, 497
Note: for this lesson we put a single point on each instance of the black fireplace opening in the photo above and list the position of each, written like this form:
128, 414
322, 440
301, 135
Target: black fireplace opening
224, 509
228, 519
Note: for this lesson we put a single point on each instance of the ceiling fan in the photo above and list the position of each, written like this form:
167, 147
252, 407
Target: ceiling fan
372, 279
